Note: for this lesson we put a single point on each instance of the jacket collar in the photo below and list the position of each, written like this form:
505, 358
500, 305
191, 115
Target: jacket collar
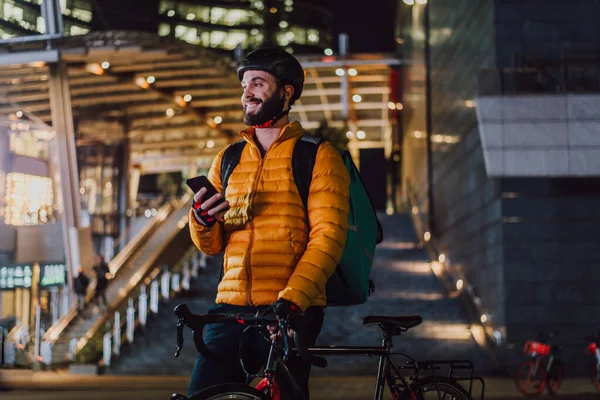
289, 131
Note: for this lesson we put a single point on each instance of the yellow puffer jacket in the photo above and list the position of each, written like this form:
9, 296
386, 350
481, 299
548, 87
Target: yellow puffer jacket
269, 251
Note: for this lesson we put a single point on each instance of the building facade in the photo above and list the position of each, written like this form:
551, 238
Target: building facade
510, 183
299, 25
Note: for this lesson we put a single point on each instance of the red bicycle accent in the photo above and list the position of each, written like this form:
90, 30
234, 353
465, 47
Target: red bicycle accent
533, 348
592, 347
264, 383
530, 378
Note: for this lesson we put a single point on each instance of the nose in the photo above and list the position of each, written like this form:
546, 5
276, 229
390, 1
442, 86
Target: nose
247, 93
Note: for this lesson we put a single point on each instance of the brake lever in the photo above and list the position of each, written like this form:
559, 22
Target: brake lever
180, 326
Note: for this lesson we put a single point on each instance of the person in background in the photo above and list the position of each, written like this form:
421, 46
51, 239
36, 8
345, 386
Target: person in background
81, 284
102, 273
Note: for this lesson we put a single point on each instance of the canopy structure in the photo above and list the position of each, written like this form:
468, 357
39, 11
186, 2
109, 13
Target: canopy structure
179, 104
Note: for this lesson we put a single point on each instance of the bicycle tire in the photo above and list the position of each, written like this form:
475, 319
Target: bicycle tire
229, 391
595, 380
555, 377
439, 389
523, 387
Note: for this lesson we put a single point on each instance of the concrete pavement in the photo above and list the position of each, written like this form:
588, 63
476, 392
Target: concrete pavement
24, 385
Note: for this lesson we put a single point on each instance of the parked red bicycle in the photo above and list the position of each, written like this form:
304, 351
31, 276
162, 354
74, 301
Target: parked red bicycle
593, 348
542, 370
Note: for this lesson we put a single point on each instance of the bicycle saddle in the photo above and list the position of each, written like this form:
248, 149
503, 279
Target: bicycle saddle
396, 322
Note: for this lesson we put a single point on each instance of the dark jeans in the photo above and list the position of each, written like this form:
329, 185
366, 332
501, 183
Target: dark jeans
224, 340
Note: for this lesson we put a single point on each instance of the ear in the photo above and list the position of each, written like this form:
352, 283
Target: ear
289, 92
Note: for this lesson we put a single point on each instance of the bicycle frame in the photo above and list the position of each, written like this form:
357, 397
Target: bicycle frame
386, 363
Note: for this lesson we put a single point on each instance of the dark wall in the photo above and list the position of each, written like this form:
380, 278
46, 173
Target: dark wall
551, 261
545, 29
467, 204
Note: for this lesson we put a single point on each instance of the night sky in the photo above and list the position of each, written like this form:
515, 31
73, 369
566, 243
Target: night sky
370, 28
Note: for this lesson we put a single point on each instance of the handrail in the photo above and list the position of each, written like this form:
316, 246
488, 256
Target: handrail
133, 284
55, 331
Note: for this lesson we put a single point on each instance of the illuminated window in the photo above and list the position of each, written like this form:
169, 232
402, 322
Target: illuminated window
313, 36
29, 199
234, 38
164, 30
165, 6
83, 15
205, 39
234, 17
217, 14
217, 38
41, 25
12, 12
29, 143
76, 30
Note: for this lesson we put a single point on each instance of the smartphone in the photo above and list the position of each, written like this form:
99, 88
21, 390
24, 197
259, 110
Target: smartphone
200, 182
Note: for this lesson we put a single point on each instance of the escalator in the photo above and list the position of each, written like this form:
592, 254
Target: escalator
162, 241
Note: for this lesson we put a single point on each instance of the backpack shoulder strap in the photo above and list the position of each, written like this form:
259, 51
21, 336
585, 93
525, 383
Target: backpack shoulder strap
303, 162
231, 158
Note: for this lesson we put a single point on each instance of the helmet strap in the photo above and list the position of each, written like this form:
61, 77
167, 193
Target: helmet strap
282, 113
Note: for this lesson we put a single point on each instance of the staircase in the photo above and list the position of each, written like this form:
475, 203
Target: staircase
129, 274
153, 350
405, 285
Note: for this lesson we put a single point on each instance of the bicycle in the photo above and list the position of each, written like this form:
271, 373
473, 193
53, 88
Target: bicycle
403, 386
542, 371
593, 348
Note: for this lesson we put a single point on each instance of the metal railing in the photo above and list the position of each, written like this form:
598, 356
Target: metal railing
55, 331
121, 327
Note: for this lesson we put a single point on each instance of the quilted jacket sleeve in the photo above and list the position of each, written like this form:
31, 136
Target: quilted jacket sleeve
209, 240
328, 207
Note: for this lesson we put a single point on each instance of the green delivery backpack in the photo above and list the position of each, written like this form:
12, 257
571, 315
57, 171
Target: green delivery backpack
350, 283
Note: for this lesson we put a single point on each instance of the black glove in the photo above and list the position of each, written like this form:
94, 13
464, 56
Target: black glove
283, 308
202, 215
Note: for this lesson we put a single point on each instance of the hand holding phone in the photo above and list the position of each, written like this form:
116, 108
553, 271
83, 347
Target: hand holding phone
209, 205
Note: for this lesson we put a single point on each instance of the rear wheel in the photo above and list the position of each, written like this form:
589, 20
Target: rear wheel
555, 377
530, 380
229, 391
442, 389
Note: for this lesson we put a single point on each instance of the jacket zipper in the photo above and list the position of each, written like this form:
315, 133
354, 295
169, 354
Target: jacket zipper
251, 244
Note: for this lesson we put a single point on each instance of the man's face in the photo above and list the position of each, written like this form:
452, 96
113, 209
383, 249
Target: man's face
261, 98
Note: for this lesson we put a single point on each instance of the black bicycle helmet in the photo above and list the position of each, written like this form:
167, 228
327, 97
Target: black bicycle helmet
279, 63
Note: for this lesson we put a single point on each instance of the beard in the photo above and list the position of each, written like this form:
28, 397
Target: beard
268, 109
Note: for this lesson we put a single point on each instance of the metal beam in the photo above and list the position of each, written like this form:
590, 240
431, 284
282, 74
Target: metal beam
45, 56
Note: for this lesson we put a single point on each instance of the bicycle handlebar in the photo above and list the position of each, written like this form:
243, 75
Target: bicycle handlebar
295, 321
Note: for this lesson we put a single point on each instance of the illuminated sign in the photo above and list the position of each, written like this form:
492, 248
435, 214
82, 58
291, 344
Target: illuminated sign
14, 276
53, 274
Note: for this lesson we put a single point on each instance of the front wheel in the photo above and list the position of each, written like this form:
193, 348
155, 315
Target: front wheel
229, 391
555, 376
440, 389
530, 378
